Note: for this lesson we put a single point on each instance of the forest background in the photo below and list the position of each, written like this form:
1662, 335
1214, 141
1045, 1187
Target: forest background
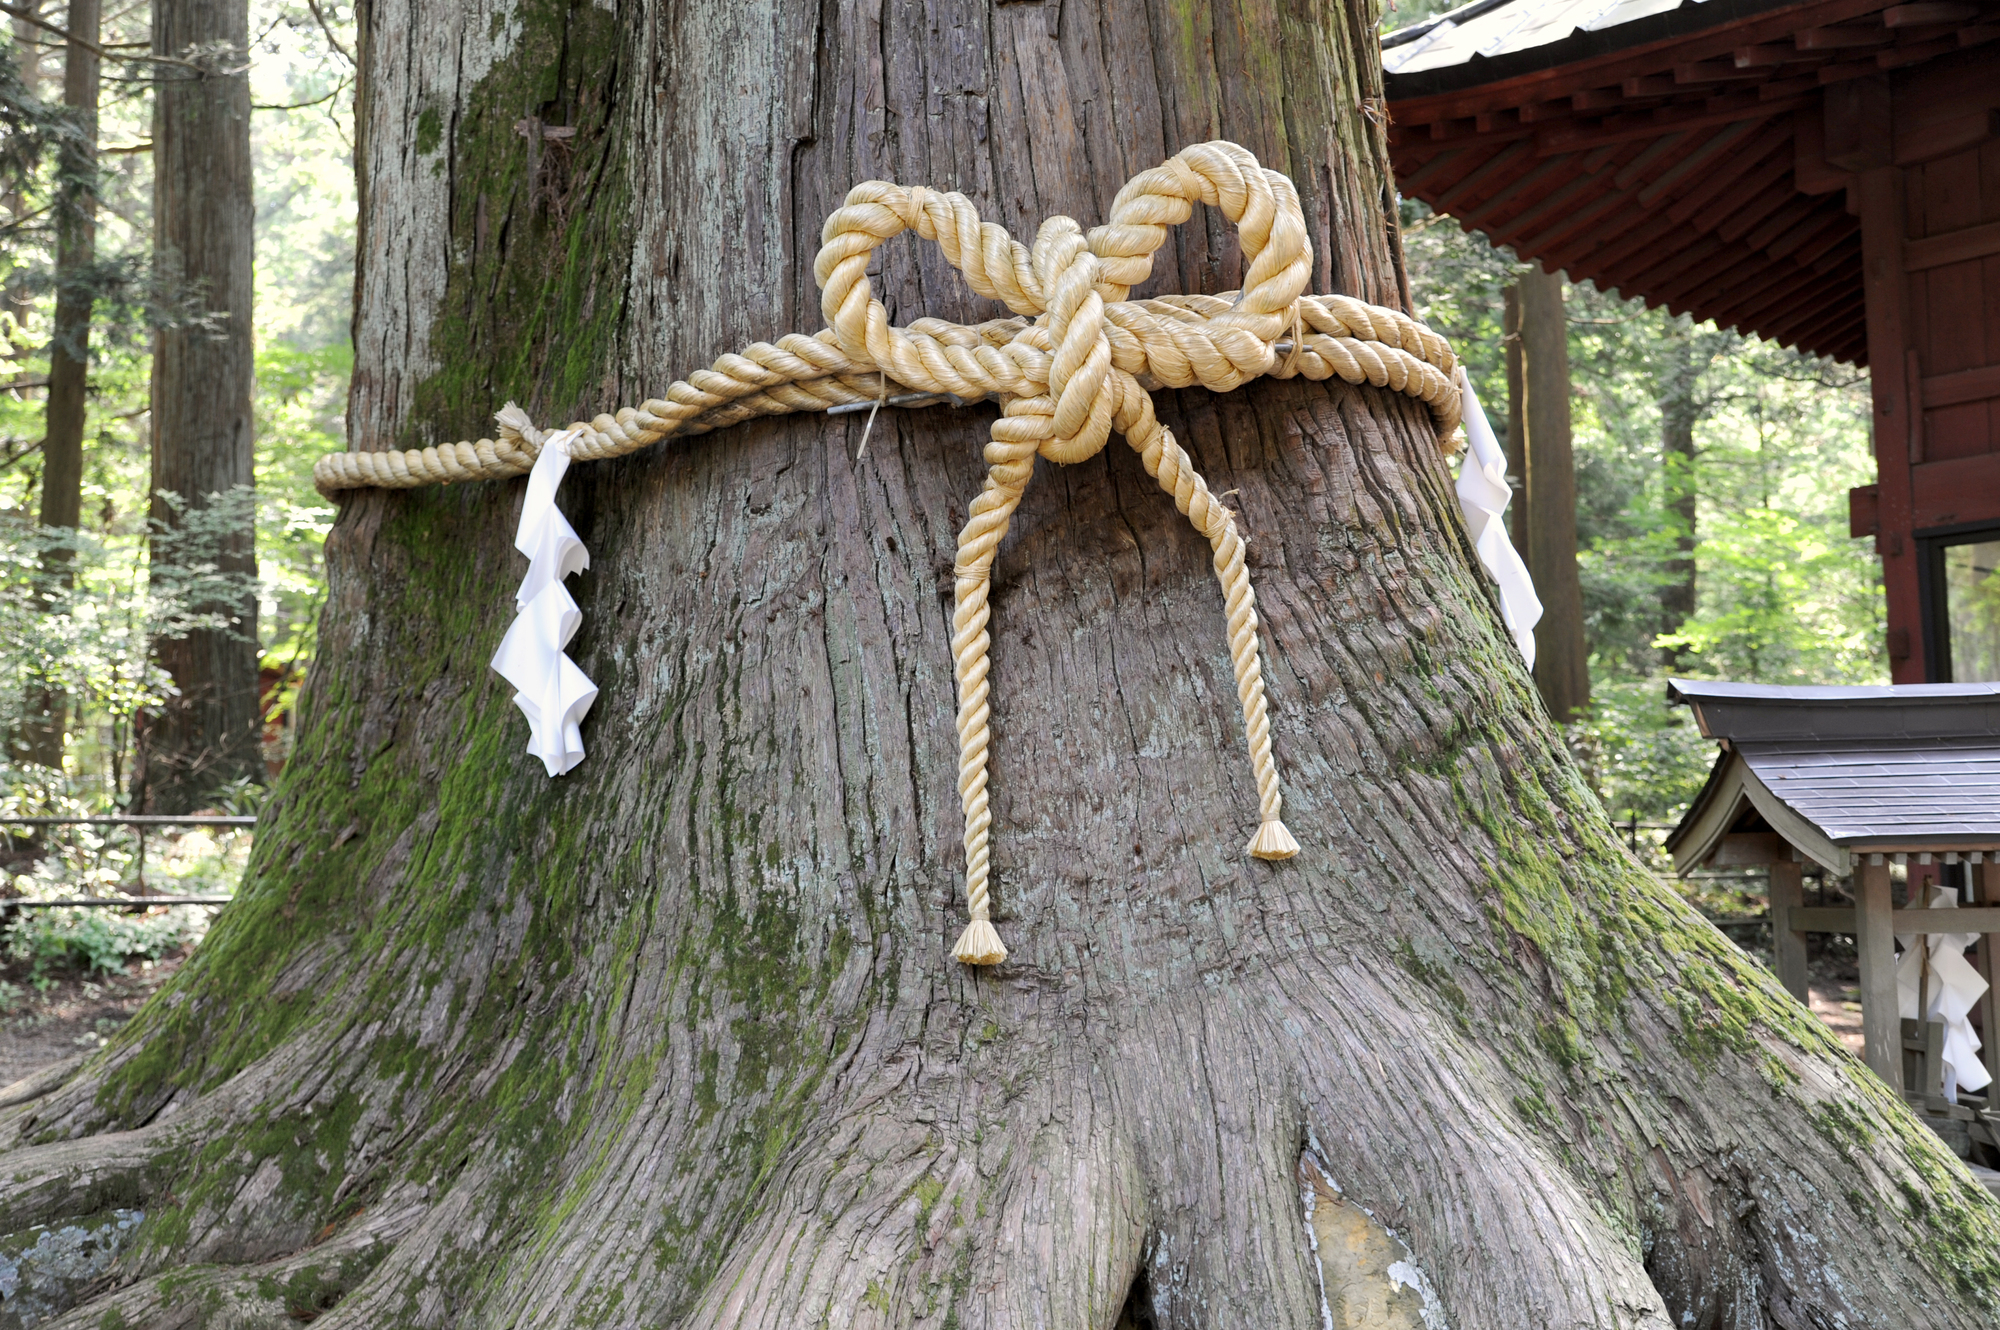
1782, 594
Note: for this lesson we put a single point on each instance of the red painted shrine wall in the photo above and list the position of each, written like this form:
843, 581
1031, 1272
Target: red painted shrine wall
1954, 331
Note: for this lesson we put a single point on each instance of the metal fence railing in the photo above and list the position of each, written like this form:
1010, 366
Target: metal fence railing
1632, 826
140, 823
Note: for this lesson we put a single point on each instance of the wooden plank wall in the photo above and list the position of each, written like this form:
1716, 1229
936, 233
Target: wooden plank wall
1952, 258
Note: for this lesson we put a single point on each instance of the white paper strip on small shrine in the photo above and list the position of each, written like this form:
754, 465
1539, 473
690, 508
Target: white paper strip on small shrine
1953, 988
1483, 494
549, 688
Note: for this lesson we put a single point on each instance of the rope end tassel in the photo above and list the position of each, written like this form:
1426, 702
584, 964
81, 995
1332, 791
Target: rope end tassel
1076, 364
979, 945
1273, 841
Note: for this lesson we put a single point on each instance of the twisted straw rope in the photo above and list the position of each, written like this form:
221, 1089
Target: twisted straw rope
1080, 361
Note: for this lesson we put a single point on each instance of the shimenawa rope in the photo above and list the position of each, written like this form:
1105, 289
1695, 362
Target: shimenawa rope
1079, 362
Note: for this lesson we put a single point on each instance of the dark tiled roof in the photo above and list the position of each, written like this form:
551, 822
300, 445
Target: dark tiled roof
1746, 713
1859, 794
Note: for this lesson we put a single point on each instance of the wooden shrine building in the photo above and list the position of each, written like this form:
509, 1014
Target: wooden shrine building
1825, 175
1856, 782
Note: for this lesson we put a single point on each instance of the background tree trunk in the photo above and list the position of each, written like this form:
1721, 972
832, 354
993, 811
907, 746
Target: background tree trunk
675, 1040
1562, 656
1679, 412
204, 379
1517, 429
28, 55
44, 720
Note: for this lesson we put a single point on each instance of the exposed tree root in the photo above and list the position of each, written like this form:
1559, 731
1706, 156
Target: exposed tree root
275, 1295
82, 1177
38, 1083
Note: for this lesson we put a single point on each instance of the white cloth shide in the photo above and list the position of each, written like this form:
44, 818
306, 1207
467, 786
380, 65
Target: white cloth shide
1951, 988
549, 688
1483, 494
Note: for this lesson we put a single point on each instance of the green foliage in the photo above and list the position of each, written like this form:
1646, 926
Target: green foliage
94, 641
1645, 758
97, 861
98, 940
1782, 593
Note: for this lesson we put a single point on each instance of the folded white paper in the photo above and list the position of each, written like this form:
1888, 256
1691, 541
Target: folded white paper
1952, 988
549, 688
1483, 494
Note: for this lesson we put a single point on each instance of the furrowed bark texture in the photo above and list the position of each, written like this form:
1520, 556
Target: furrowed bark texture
675, 1040
204, 378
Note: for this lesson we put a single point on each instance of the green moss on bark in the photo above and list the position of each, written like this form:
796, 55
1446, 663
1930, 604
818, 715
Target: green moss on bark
535, 295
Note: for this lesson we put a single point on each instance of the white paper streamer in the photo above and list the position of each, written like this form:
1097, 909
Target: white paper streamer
550, 690
1954, 988
1483, 493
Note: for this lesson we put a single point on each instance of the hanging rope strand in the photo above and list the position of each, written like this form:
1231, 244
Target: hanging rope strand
1080, 360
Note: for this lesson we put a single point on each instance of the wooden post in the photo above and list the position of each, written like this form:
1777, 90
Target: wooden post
1878, 197
1986, 891
1881, 1024
1788, 949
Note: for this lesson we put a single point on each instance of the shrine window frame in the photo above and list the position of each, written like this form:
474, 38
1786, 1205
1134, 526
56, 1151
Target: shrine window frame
1932, 590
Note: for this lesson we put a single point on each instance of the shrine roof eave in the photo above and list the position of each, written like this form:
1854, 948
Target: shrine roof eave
1844, 772
1674, 151
1582, 47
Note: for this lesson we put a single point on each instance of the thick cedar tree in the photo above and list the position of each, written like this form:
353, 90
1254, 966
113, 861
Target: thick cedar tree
209, 730
675, 1040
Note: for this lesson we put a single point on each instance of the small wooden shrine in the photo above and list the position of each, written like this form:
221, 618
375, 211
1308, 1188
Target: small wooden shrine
1825, 175
1851, 784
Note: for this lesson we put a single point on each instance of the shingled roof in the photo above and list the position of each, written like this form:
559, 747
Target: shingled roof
1673, 149
1845, 771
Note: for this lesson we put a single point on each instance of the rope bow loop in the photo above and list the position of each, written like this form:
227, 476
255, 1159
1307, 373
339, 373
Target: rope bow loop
1075, 286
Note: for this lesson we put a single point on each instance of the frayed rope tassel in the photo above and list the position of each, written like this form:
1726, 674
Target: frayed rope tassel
1272, 841
979, 945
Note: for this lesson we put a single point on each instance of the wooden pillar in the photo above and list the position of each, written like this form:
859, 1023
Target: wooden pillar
1986, 891
1788, 949
1881, 1018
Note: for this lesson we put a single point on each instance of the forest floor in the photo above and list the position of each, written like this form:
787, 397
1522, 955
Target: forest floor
1836, 999
76, 1013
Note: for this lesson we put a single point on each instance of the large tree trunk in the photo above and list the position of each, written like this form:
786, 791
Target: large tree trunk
47, 711
204, 378
1562, 654
676, 1039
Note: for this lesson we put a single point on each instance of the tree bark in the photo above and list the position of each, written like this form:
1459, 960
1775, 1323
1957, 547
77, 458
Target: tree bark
1679, 412
675, 1039
209, 731
1562, 655
20, 303
44, 721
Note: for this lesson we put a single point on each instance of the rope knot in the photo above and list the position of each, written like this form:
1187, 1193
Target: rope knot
519, 431
1087, 344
